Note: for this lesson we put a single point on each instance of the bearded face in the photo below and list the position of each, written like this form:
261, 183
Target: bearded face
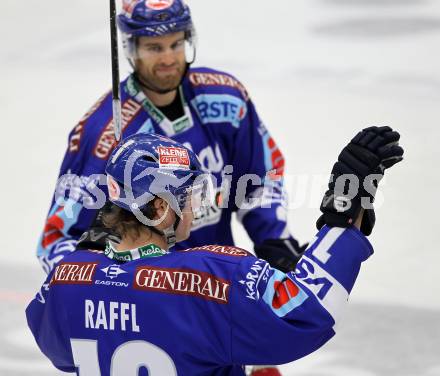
160, 61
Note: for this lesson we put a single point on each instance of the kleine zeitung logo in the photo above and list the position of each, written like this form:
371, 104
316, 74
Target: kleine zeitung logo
173, 157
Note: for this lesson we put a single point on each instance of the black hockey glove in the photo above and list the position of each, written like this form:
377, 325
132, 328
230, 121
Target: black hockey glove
282, 254
355, 177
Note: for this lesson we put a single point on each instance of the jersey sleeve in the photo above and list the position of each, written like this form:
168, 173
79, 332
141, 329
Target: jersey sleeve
261, 203
80, 190
300, 310
44, 318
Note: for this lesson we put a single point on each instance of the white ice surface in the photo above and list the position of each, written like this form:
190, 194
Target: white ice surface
318, 70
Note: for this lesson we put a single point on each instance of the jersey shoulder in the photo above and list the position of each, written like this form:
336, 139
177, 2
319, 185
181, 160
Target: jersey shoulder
218, 251
237, 266
85, 256
79, 268
94, 133
221, 258
205, 80
85, 133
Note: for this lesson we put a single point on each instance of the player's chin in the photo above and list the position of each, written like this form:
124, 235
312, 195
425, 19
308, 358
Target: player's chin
168, 82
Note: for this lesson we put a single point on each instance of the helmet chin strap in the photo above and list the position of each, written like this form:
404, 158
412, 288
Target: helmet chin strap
168, 233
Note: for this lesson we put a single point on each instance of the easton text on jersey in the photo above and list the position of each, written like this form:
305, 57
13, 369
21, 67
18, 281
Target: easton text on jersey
182, 282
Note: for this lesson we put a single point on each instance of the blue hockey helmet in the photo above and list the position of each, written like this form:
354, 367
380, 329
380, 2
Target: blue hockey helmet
153, 18
146, 166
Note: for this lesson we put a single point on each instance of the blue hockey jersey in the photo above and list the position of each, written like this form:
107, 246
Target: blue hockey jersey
220, 124
201, 311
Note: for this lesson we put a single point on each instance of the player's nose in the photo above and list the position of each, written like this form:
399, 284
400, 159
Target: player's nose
168, 57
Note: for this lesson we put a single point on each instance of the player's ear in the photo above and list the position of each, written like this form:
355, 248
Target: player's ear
160, 208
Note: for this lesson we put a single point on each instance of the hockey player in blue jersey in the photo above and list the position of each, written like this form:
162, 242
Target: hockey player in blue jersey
207, 110
139, 308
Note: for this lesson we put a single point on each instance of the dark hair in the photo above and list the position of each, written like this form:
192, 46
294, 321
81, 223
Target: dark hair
124, 222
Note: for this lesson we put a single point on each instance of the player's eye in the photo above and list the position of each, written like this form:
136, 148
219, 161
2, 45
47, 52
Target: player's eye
154, 48
178, 45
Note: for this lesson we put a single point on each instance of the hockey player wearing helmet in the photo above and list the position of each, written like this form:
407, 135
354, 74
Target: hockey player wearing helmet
160, 185
136, 307
208, 110
159, 42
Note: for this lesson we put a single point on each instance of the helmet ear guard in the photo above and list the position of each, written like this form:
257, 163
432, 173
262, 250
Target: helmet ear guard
190, 46
129, 47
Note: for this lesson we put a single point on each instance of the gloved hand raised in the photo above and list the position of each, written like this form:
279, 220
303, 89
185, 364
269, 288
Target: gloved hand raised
356, 175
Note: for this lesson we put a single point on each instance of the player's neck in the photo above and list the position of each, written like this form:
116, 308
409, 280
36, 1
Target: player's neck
158, 99
144, 238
